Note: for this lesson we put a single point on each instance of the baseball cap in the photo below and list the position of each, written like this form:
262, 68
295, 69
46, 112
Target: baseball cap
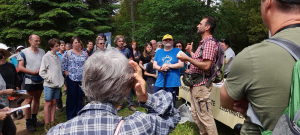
291, 1
3, 46
20, 46
167, 36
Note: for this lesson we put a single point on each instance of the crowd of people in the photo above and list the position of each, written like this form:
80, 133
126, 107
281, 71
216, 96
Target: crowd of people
106, 76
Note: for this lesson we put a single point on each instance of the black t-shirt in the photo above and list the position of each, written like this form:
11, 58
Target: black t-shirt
89, 52
145, 59
150, 70
9, 74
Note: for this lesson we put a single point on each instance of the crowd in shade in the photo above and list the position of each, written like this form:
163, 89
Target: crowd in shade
99, 77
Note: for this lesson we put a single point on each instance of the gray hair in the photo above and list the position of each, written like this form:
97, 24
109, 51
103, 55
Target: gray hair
62, 42
118, 37
107, 76
159, 42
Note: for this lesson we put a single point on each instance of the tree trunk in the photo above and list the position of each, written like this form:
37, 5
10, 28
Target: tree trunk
132, 18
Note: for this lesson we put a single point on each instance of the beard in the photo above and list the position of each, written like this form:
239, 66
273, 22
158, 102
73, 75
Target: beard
200, 31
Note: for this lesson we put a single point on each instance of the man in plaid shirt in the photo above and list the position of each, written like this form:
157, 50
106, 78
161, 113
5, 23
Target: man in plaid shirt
106, 79
200, 101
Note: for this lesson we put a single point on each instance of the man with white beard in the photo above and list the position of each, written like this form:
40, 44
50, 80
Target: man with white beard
166, 63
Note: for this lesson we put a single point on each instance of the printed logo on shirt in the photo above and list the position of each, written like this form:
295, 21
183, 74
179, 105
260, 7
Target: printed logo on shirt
167, 59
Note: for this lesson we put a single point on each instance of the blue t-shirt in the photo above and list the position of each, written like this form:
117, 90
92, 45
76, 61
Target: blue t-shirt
15, 62
173, 75
126, 53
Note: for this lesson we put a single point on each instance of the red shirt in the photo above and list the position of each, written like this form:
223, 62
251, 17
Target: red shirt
210, 51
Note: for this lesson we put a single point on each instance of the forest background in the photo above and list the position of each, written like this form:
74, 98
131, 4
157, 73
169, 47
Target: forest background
139, 20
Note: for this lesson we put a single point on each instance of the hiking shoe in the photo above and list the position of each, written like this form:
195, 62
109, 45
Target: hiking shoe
30, 128
52, 124
47, 127
119, 108
14, 114
132, 108
60, 109
35, 123
20, 116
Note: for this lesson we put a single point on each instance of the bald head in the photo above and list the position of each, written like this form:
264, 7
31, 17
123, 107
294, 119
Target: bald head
154, 44
34, 40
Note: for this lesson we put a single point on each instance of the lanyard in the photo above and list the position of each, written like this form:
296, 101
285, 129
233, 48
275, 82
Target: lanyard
289, 26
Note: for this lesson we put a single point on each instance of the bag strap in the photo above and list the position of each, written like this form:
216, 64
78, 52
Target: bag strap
69, 53
294, 50
118, 127
289, 46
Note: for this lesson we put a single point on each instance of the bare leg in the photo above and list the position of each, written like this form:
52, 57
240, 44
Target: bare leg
47, 110
28, 101
52, 109
36, 101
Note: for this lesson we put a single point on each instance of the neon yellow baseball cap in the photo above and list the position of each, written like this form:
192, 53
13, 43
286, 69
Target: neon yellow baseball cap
167, 37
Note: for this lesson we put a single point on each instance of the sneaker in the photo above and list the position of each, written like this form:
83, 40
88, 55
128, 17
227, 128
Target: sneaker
30, 128
35, 123
52, 124
20, 115
132, 109
47, 127
60, 109
119, 108
14, 114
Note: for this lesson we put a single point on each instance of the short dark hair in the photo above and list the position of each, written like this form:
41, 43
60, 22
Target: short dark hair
211, 22
52, 42
89, 41
226, 41
181, 42
287, 7
152, 54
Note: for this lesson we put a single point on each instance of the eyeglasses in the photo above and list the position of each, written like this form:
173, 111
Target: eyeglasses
101, 43
178, 45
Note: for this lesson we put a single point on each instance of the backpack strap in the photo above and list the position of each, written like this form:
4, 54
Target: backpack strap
294, 50
289, 46
118, 127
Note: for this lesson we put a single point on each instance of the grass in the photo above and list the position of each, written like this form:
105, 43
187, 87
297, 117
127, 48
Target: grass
187, 128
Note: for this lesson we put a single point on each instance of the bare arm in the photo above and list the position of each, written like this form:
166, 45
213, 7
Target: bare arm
148, 74
141, 65
155, 66
205, 65
25, 70
225, 100
180, 64
226, 61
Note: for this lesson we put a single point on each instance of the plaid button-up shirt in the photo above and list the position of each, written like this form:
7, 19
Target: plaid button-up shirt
210, 51
102, 119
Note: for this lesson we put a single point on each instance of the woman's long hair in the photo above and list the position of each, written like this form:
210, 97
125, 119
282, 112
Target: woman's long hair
145, 53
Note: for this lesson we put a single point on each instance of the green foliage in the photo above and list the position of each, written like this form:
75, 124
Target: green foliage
52, 19
237, 20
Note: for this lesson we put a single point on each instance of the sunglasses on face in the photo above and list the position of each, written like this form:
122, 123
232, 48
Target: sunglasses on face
168, 40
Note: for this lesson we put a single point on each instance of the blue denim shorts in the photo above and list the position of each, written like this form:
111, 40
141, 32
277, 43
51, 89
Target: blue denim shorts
51, 93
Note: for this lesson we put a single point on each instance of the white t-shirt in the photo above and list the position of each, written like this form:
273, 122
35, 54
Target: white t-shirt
229, 55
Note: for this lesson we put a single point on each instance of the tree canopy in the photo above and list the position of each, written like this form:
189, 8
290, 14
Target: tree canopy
60, 19
237, 20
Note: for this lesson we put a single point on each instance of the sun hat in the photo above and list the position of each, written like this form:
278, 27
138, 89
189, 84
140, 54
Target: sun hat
3, 48
20, 46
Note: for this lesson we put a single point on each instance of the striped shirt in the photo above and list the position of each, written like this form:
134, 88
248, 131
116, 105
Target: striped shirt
210, 51
102, 119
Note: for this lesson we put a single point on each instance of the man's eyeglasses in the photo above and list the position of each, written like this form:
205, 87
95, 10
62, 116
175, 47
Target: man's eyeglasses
101, 43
